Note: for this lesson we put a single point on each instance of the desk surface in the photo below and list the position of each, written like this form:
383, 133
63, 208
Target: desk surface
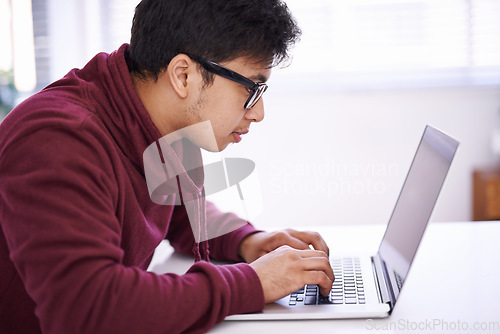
452, 287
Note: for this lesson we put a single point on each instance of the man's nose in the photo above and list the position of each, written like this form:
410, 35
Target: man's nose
256, 114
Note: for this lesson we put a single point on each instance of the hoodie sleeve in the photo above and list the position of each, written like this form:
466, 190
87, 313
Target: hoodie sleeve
226, 246
59, 195
222, 248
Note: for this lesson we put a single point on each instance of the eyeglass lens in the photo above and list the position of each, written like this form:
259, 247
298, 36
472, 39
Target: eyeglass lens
255, 97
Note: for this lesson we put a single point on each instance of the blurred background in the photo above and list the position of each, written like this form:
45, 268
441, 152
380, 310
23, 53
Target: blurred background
343, 119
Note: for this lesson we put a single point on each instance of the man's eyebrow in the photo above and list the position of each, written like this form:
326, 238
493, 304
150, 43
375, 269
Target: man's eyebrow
259, 78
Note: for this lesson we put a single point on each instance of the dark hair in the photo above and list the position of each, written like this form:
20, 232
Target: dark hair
217, 30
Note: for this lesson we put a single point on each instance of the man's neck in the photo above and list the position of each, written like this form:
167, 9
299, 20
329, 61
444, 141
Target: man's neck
154, 96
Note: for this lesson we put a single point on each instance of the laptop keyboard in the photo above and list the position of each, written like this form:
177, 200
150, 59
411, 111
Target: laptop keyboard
348, 287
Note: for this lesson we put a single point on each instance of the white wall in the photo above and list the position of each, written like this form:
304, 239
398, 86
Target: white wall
360, 145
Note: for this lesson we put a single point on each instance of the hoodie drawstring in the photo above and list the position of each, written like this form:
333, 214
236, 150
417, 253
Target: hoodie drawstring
200, 248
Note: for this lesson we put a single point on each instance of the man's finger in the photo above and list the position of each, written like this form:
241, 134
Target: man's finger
284, 238
319, 278
318, 264
311, 238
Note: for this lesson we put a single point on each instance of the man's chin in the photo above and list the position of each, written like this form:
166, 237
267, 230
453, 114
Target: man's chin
222, 147
213, 149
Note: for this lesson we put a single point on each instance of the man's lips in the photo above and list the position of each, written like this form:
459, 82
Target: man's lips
237, 135
242, 132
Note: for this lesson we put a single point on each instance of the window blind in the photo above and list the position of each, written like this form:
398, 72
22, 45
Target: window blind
356, 43
380, 43
116, 20
42, 43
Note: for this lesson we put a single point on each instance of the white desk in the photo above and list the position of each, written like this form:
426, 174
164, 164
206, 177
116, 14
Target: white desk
453, 285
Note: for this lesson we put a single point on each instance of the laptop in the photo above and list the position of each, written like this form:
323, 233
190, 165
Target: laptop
369, 286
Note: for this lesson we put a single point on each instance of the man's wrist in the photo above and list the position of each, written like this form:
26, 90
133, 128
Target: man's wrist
245, 246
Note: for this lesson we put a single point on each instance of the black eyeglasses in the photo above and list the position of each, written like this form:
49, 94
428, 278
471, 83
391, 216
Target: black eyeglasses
256, 89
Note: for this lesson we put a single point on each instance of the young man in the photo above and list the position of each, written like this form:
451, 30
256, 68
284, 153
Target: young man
79, 227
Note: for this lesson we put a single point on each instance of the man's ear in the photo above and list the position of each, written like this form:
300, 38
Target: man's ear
182, 73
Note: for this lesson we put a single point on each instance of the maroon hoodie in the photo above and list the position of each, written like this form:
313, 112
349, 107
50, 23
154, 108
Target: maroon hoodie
78, 227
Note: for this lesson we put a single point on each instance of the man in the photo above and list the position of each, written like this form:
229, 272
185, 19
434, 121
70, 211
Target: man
79, 226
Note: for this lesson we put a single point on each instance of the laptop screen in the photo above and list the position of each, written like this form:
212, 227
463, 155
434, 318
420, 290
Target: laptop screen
415, 204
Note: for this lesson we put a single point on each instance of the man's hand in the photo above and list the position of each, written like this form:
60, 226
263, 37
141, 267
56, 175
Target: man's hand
286, 269
261, 243
284, 261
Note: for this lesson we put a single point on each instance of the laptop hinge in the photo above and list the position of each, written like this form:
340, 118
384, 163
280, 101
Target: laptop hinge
381, 280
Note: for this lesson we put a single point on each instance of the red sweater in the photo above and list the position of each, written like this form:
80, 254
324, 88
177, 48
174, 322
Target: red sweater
78, 227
